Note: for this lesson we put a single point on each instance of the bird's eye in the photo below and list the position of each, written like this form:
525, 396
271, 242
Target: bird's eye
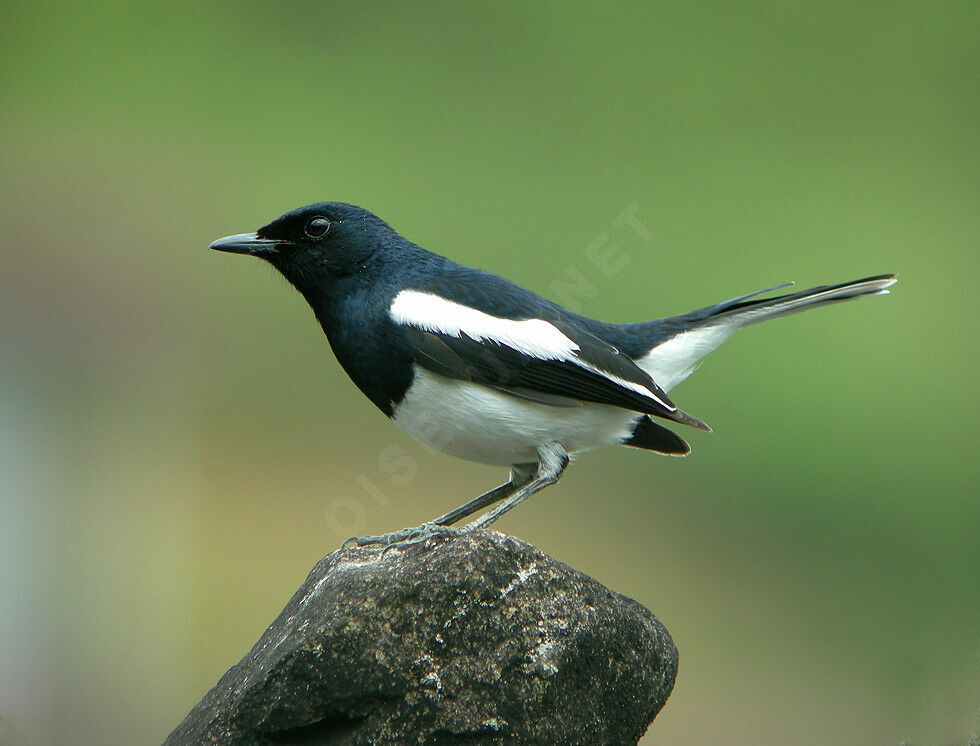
317, 227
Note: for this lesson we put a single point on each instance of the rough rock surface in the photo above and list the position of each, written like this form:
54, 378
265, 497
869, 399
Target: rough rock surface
475, 639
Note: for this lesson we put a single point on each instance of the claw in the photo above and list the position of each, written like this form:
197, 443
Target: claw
403, 538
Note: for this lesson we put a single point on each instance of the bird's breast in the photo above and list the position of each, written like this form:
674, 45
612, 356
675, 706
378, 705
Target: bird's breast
477, 423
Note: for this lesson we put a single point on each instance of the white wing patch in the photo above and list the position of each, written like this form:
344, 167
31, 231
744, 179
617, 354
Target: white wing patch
432, 313
533, 337
672, 361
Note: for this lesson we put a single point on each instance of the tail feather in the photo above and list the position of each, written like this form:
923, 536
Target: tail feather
736, 302
679, 342
649, 435
748, 312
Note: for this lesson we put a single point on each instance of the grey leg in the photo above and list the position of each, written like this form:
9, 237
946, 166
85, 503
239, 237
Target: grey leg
553, 460
520, 474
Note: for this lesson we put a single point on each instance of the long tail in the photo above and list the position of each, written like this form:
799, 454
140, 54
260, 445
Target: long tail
676, 344
748, 312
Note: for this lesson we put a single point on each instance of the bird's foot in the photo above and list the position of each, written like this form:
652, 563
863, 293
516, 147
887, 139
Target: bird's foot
403, 538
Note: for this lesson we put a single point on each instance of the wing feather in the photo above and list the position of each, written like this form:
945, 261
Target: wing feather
563, 383
547, 359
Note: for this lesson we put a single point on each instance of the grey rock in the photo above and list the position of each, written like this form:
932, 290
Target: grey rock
473, 639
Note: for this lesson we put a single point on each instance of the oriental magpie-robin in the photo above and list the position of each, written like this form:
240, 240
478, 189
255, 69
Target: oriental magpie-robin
478, 367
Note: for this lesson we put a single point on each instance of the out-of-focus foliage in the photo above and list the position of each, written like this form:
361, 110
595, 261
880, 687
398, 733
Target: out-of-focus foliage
178, 446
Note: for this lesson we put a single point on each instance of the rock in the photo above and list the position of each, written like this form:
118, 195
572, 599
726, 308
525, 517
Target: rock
477, 639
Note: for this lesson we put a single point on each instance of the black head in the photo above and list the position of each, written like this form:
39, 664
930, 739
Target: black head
315, 243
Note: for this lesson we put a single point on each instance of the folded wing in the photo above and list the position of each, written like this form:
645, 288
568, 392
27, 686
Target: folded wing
549, 361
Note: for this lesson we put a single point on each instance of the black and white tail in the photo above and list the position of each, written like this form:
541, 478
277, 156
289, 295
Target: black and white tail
678, 343
745, 312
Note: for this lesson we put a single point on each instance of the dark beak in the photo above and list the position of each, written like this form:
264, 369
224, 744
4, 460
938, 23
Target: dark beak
246, 243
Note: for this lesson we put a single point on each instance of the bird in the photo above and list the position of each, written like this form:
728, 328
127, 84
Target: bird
476, 366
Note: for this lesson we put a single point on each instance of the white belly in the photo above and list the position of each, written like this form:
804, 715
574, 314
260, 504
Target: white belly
476, 423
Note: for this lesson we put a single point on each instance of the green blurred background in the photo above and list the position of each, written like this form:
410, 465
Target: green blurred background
178, 445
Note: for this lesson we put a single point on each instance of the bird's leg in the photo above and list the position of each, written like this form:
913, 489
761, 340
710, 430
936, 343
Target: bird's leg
520, 475
553, 460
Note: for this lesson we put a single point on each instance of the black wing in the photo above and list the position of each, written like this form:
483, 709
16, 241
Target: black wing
598, 372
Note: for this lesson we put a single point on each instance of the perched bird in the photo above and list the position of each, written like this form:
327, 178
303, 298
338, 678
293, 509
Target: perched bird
480, 368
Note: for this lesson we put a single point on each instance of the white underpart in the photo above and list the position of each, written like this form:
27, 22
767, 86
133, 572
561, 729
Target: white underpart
533, 337
672, 361
473, 422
